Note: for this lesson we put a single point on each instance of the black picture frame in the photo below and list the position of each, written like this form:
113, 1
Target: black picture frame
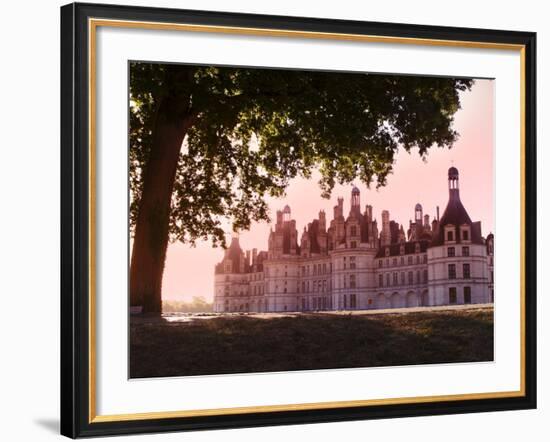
75, 220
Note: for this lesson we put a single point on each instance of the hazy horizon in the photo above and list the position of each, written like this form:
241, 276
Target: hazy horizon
189, 271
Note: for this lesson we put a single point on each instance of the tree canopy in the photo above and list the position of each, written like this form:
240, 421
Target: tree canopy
250, 131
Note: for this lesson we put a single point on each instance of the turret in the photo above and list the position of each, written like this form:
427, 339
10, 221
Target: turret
286, 213
418, 214
453, 183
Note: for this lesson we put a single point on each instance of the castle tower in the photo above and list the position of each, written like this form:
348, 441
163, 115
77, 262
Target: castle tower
457, 253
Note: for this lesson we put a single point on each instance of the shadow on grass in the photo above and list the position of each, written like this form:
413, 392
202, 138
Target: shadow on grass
242, 344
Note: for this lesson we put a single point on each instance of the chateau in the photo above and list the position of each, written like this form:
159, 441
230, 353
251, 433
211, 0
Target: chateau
352, 264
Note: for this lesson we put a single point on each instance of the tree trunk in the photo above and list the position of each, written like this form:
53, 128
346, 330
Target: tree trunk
152, 225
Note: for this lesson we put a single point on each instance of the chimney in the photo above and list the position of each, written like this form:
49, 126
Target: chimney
426, 221
385, 236
322, 221
437, 210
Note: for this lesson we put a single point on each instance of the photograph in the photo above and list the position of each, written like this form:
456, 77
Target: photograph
271, 219
285, 219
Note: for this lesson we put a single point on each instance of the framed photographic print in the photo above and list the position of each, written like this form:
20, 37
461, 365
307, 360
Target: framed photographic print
275, 220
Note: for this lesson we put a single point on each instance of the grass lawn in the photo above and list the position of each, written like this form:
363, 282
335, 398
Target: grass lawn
242, 343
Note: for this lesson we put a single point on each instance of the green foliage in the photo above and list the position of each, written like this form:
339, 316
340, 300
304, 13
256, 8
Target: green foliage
197, 305
256, 129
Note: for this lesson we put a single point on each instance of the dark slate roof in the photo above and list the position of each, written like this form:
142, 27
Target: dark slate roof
456, 215
287, 238
312, 231
364, 229
234, 253
260, 258
410, 247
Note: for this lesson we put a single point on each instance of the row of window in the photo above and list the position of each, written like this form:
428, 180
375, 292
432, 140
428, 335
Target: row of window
316, 269
410, 261
244, 280
467, 293
256, 290
395, 278
452, 271
451, 252
315, 303
402, 249
325, 302
464, 232
259, 306
317, 286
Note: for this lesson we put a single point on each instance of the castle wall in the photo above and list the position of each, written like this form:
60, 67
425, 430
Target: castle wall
352, 266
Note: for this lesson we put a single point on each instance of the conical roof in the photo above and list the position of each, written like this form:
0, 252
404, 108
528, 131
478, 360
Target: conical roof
455, 213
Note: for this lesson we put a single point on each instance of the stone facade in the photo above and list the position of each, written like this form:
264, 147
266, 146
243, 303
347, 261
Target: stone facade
350, 265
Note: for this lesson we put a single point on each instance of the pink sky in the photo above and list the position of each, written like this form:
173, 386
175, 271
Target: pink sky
190, 271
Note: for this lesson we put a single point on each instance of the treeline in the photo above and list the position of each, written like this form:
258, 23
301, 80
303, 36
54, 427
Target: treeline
197, 305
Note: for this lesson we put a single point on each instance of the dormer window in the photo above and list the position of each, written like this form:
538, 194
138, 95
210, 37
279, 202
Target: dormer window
387, 251
417, 248
402, 250
465, 233
450, 233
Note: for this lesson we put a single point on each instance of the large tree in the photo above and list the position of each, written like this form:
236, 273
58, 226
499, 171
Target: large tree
208, 144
